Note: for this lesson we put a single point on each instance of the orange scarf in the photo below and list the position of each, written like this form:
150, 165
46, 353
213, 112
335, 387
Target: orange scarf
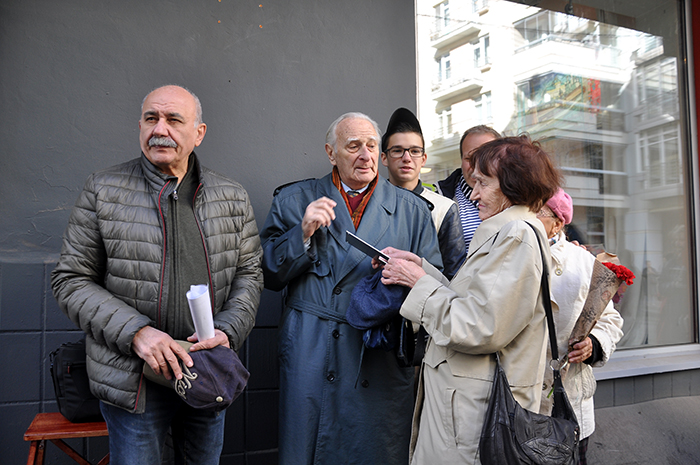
355, 215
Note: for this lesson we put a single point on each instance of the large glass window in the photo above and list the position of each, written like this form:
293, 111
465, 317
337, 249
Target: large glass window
602, 91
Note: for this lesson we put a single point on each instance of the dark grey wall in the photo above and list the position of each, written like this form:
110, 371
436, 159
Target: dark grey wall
271, 77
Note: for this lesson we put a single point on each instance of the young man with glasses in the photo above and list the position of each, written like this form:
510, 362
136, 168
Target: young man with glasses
403, 153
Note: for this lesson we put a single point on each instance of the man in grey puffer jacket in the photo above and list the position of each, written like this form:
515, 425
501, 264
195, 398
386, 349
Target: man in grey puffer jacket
140, 234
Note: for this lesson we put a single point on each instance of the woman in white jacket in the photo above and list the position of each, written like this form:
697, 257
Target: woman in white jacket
570, 273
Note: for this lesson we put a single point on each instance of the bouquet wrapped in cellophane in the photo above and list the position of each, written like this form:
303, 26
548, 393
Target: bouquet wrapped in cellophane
606, 278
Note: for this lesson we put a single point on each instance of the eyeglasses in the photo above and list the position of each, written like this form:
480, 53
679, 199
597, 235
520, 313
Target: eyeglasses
397, 152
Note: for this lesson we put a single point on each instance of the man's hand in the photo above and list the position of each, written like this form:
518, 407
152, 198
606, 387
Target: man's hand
220, 339
318, 213
160, 351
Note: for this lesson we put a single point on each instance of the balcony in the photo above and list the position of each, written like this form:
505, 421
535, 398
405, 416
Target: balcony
457, 89
555, 52
657, 109
558, 118
650, 48
457, 32
444, 150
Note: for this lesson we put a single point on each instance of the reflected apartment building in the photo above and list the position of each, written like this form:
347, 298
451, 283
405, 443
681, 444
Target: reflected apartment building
602, 91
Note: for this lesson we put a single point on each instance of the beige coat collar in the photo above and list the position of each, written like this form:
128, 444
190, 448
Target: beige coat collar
489, 227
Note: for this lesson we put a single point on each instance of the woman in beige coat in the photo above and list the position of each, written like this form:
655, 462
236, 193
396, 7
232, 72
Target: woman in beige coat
493, 304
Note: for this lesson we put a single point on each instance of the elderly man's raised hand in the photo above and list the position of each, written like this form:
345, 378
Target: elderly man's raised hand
160, 351
319, 213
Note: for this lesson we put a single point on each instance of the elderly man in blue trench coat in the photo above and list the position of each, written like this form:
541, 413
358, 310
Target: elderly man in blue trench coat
338, 402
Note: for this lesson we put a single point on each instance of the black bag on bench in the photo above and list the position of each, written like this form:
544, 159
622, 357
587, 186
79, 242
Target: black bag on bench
70, 383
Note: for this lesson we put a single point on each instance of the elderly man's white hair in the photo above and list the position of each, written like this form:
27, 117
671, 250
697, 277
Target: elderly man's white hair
332, 137
197, 103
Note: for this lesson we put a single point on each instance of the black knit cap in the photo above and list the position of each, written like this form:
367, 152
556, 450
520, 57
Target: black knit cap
403, 120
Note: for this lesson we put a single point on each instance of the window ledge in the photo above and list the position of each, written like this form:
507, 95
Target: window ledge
636, 362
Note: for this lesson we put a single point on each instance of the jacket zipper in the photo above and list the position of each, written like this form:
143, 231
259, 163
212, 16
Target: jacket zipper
160, 287
204, 244
162, 264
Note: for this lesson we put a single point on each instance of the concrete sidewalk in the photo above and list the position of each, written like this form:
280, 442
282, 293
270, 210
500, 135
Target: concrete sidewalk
659, 432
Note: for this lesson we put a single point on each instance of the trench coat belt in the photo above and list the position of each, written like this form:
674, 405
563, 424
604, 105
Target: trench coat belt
315, 309
322, 312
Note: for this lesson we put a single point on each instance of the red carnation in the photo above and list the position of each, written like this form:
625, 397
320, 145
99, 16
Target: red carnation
606, 279
623, 273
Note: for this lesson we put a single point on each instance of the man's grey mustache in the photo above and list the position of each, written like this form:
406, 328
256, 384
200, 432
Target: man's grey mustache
162, 142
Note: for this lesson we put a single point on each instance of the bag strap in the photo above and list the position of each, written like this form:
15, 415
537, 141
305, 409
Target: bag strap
546, 298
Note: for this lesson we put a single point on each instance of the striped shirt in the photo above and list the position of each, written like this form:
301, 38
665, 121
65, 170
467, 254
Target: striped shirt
468, 211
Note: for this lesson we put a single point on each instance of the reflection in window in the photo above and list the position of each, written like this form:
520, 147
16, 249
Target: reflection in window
482, 107
660, 156
603, 99
548, 25
445, 126
444, 68
478, 5
481, 52
657, 89
442, 17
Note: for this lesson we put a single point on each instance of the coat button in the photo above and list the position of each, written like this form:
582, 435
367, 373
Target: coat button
336, 333
558, 271
330, 377
219, 399
365, 383
337, 291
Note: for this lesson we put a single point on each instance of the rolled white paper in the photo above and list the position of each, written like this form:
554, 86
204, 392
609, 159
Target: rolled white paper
200, 308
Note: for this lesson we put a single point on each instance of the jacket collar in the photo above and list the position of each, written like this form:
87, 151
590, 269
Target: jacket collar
448, 185
419, 188
557, 248
490, 227
382, 203
157, 179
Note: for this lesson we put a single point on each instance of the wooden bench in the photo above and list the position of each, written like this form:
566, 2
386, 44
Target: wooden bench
55, 428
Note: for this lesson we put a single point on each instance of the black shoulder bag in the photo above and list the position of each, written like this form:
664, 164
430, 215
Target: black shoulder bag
514, 435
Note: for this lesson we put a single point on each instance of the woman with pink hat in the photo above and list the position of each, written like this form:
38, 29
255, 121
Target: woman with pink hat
570, 274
